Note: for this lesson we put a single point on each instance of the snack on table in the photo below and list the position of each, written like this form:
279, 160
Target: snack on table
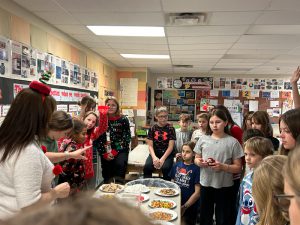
167, 191
136, 188
111, 187
162, 204
160, 216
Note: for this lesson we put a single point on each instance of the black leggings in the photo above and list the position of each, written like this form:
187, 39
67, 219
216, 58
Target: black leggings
115, 169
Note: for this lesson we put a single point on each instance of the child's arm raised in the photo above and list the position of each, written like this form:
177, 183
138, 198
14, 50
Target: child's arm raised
102, 127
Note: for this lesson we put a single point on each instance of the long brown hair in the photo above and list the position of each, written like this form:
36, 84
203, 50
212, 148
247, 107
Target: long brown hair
292, 119
116, 102
60, 121
26, 119
262, 117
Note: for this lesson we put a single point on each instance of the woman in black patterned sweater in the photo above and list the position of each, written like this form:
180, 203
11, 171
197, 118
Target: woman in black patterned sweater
113, 146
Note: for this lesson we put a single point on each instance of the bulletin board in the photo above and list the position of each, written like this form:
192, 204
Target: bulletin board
273, 103
177, 102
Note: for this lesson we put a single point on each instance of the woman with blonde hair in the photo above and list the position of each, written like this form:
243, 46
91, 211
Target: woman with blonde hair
267, 184
290, 200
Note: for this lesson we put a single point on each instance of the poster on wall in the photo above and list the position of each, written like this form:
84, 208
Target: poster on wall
25, 61
40, 63
33, 64
50, 61
5, 49
94, 81
164, 82
129, 91
86, 79
65, 72
16, 58
194, 83
57, 71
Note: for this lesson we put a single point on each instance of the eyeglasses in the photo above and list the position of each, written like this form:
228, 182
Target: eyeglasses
163, 116
284, 201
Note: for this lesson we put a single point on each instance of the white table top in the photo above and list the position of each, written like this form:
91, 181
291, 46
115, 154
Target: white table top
138, 155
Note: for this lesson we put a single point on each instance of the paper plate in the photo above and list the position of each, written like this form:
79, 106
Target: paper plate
111, 188
162, 214
167, 192
162, 203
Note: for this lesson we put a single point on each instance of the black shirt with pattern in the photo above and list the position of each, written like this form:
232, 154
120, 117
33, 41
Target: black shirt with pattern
120, 135
161, 137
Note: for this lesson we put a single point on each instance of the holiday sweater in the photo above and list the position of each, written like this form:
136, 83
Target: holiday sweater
120, 135
73, 169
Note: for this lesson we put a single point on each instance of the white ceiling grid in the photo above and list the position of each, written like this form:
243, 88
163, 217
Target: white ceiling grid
240, 37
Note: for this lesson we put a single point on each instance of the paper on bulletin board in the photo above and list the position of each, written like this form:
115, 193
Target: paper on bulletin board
62, 108
255, 93
214, 93
5, 109
128, 112
274, 104
234, 93
276, 112
253, 105
237, 117
129, 91
274, 94
141, 112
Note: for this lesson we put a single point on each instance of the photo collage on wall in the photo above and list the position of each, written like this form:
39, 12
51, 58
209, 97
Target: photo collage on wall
5, 49
176, 101
21, 61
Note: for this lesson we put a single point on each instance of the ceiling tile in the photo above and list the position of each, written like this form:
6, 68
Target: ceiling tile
206, 30
111, 5
203, 40
120, 19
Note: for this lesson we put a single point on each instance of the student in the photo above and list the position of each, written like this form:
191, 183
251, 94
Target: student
247, 124
25, 172
161, 139
59, 127
267, 184
83, 211
183, 134
202, 120
290, 200
294, 80
86, 104
96, 126
261, 121
247, 134
251, 133
186, 174
113, 146
255, 149
219, 156
235, 131
73, 170
289, 126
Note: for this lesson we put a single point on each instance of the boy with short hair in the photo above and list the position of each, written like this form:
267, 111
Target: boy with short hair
161, 139
183, 134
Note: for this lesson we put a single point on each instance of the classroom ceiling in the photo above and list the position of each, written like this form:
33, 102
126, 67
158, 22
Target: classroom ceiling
237, 37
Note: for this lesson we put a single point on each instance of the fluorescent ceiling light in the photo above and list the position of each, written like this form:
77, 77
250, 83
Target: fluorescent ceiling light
142, 56
132, 31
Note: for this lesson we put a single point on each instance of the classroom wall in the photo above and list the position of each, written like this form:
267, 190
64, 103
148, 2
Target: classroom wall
18, 24
152, 78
